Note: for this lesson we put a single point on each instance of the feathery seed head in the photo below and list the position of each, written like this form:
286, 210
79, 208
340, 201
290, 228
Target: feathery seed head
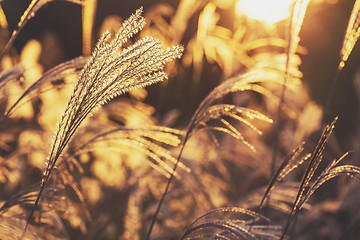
109, 73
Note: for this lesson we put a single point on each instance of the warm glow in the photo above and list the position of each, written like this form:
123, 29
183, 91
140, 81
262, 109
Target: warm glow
269, 11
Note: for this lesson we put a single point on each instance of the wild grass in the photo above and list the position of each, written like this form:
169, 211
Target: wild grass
250, 162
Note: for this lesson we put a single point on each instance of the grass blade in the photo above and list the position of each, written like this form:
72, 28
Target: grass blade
88, 18
29, 13
53, 74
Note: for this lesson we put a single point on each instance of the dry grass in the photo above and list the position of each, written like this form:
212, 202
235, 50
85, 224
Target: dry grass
250, 163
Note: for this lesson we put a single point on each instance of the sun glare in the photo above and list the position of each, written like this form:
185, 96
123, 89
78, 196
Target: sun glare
268, 11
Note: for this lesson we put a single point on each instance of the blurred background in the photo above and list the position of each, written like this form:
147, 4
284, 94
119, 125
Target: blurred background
58, 27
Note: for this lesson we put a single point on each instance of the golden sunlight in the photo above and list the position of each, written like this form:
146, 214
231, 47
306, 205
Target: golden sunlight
268, 11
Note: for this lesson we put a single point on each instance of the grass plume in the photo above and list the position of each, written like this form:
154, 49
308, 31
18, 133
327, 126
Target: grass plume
203, 140
314, 162
297, 14
109, 73
351, 36
209, 226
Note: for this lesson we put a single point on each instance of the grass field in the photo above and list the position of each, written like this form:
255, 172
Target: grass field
180, 119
